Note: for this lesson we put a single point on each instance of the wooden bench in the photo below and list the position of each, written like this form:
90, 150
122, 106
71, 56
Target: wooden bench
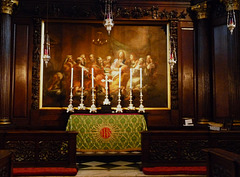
222, 163
5, 163
184, 147
40, 148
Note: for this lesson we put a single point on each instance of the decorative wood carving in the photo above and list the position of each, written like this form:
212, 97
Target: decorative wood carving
192, 149
174, 74
53, 150
41, 148
36, 63
163, 150
24, 150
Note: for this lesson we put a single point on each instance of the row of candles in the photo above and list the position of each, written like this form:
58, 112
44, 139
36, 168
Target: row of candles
106, 101
131, 72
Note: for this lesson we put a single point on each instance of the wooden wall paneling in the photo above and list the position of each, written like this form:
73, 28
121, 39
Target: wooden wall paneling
138, 10
234, 72
186, 70
21, 91
220, 76
5, 68
204, 74
49, 119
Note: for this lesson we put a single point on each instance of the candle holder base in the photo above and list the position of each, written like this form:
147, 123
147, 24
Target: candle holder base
106, 102
131, 107
93, 109
70, 108
141, 109
81, 107
119, 109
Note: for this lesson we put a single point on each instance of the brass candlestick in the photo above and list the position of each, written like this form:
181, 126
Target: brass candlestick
81, 105
93, 108
70, 106
119, 107
131, 107
141, 107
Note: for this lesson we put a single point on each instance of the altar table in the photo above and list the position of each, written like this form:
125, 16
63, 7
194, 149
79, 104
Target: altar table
107, 132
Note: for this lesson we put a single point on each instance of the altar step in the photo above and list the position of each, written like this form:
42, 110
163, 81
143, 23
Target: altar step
101, 153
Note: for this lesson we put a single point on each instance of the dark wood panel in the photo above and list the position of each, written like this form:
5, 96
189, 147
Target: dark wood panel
221, 100
5, 65
20, 101
41, 148
187, 82
5, 163
184, 147
222, 163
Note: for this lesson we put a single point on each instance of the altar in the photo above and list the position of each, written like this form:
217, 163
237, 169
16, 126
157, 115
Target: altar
107, 132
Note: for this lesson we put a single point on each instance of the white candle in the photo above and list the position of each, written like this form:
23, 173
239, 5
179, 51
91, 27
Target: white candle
140, 77
130, 78
92, 78
119, 77
82, 76
72, 77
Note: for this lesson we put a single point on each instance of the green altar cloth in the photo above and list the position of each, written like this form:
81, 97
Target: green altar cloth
107, 132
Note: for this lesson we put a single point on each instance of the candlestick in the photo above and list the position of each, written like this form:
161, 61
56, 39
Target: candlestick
119, 77
130, 78
131, 107
82, 76
72, 77
93, 107
81, 105
119, 107
92, 78
141, 107
106, 80
140, 77
70, 106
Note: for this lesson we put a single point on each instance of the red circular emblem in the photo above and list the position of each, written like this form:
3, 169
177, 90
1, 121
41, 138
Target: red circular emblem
105, 132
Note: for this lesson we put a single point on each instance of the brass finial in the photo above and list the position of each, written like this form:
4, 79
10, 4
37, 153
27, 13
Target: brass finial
201, 10
231, 4
7, 6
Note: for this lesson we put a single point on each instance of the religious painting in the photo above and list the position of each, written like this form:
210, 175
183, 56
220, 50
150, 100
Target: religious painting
88, 45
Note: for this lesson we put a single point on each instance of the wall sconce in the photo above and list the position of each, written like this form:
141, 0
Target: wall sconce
173, 54
108, 16
231, 19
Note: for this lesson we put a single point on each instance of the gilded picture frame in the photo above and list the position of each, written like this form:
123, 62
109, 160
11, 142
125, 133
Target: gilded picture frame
88, 45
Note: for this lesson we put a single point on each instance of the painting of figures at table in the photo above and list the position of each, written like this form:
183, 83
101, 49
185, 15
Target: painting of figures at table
79, 45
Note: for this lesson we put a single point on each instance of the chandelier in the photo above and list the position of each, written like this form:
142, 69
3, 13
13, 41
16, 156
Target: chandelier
173, 54
231, 19
108, 16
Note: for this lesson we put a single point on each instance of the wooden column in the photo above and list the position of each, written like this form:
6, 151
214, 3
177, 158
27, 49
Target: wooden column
5, 60
234, 66
203, 65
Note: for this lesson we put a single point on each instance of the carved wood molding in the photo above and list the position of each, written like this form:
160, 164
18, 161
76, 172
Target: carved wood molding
154, 12
174, 73
36, 63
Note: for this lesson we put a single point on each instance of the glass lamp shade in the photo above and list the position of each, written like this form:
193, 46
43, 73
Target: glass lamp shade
108, 23
46, 49
231, 21
172, 61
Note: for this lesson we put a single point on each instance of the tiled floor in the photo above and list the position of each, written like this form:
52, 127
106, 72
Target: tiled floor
111, 165
115, 166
